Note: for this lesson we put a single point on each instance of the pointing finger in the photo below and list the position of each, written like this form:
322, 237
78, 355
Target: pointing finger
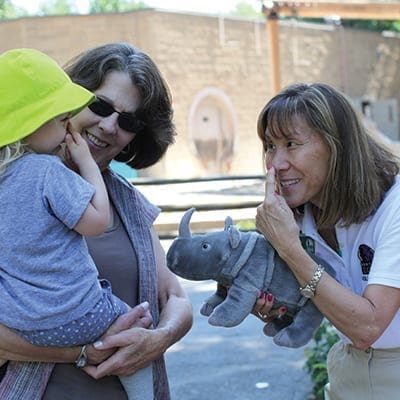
270, 184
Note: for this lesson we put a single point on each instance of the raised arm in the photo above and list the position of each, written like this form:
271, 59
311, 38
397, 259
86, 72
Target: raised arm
361, 318
96, 217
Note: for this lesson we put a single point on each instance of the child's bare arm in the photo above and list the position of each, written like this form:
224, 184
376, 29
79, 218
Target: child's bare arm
96, 217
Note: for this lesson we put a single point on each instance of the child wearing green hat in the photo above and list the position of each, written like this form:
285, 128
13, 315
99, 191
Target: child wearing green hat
51, 295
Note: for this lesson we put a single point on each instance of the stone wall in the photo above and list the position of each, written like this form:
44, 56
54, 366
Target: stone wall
196, 51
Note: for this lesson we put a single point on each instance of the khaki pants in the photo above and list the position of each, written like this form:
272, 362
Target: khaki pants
372, 374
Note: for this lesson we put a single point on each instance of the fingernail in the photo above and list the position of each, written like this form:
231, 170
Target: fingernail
282, 310
262, 295
98, 344
270, 297
145, 305
269, 166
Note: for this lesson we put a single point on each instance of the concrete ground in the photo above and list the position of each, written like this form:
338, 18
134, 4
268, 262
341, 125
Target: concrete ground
239, 363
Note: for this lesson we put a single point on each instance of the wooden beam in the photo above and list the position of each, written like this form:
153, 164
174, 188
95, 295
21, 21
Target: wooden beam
315, 9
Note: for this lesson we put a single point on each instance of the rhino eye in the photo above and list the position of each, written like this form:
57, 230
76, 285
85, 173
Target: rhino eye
206, 246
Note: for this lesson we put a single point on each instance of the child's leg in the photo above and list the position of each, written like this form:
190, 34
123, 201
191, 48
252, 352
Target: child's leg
86, 329
139, 386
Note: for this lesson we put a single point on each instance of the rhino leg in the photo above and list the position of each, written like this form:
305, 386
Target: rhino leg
302, 329
235, 308
276, 325
214, 300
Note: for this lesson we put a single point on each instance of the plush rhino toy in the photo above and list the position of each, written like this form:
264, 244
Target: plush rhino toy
248, 264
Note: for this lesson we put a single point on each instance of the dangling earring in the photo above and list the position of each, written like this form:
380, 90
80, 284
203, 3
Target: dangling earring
125, 155
126, 149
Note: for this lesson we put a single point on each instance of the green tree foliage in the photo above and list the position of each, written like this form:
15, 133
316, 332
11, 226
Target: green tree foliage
104, 6
8, 10
57, 7
244, 9
316, 354
367, 24
372, 25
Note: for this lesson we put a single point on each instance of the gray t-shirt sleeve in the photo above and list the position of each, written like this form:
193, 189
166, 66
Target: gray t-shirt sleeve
68, 196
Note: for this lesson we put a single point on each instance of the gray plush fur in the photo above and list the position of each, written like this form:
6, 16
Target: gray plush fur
247, 263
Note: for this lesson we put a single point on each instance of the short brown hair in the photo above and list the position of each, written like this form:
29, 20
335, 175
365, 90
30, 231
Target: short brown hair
90, 68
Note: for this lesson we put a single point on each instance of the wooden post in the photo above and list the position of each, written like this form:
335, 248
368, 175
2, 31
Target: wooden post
274, 53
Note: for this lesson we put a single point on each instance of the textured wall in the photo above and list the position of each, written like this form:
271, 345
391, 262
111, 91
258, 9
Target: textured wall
196, 51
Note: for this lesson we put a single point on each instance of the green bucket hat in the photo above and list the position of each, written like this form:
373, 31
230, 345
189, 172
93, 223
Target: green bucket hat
34, 90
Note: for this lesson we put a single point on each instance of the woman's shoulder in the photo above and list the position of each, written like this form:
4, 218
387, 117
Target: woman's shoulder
394, 191
389, 209
129, 197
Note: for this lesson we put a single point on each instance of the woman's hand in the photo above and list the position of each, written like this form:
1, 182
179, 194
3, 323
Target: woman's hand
119, 332
137, 347
274, 218
263, 308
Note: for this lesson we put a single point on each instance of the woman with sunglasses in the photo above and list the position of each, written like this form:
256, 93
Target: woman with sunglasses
130, 121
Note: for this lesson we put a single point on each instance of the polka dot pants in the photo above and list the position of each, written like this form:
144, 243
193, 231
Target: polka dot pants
85, 329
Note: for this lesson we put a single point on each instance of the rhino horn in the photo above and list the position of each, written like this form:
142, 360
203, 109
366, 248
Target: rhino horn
184, 227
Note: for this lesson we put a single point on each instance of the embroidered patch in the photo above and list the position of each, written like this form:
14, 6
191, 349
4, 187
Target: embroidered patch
365, 255
308, 243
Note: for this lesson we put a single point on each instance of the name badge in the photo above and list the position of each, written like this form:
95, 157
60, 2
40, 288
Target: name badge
308, 243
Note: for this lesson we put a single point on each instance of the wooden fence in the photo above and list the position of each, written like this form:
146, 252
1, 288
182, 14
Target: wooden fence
214, 199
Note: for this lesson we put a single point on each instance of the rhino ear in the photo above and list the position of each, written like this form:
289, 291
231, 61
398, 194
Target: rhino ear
234, 236
228, 223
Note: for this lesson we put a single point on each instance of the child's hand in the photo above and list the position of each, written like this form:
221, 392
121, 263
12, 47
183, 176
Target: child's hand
77, 148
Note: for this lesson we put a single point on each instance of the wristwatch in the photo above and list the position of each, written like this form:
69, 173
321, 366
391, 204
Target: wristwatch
82, 359
308, 291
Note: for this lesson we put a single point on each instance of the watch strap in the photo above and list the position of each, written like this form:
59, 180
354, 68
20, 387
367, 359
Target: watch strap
82, 359
309, 289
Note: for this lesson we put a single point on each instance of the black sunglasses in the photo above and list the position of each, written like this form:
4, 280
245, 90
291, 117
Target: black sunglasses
126, 121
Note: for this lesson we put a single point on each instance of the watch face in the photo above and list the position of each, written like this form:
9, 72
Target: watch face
307, 292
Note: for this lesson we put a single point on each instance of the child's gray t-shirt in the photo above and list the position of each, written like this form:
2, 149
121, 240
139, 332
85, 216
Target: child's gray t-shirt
47, 277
